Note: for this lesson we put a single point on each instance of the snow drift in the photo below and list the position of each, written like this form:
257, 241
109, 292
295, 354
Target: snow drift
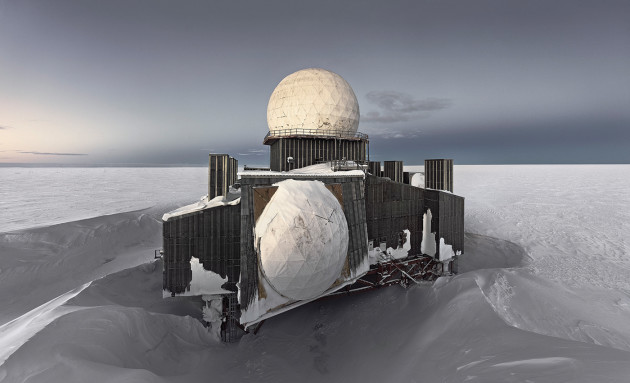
542, 295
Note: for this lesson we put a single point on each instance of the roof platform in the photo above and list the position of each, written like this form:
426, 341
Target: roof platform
330, 169
276, 134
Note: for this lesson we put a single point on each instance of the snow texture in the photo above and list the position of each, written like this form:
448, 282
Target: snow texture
427, 246
212, 313
543, 295
446, 251
377, 255
302, 239
233, 198
320, 170
203, 282
37, 197
401, 252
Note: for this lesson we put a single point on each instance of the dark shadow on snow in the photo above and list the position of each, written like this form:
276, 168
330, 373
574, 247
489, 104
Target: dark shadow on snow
483, 252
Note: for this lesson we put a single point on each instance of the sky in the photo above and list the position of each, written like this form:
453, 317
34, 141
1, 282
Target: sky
164, 83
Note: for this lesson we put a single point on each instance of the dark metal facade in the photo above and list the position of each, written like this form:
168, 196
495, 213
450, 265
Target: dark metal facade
374, 168
438, 174
212, 236
354, 211
392, 207
306, 151
393, 170
222, 172
447, 211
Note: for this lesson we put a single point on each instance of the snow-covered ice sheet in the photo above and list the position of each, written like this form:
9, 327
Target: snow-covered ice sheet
35, 197
15, 333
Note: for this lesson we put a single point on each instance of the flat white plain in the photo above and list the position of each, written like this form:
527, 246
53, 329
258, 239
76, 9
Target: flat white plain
543, 292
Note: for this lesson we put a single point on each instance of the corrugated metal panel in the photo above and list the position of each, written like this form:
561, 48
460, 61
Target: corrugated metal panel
392, 207
309, 151
222, 172
447, 211
212, 236
438, 174
393, 170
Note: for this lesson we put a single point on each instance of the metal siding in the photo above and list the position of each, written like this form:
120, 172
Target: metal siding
207, 235
392, 207
438, 174
393, 170
304, 152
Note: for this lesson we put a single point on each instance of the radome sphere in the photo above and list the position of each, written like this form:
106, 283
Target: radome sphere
302, 239
313, 99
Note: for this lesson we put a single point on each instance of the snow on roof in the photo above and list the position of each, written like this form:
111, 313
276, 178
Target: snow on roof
320, 170
233, 198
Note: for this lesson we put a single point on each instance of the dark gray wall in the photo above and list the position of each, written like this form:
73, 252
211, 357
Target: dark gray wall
308, 151
392, 207
374, 168
438, 174
447, 211
222, 172
393, 170
212, 236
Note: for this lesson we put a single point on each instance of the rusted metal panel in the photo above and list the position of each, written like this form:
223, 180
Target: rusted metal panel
337, 191
262, 196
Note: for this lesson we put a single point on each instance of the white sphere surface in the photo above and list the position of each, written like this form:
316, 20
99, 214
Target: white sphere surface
303, 238
313, 99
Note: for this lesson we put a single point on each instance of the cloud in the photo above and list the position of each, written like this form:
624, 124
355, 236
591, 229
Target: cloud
254, 152
397, 134
398, 107
4, 127
52, 154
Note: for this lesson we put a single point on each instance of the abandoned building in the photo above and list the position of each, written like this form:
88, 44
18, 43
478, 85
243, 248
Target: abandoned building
322, 219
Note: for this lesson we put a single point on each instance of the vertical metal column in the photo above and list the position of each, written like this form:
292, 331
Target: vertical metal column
438, 174
222, 172
394, 170
374, 167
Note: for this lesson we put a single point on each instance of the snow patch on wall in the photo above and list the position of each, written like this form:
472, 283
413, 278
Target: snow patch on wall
446, 251
320, 170
378, 255
233, 198
213, 312
204, 282
428, 238
401, 251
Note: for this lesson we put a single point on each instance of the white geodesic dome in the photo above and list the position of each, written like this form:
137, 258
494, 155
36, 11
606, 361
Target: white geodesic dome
303, 239
313, 101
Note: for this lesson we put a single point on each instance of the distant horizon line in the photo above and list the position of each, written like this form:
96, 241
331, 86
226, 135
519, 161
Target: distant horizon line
145, 165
